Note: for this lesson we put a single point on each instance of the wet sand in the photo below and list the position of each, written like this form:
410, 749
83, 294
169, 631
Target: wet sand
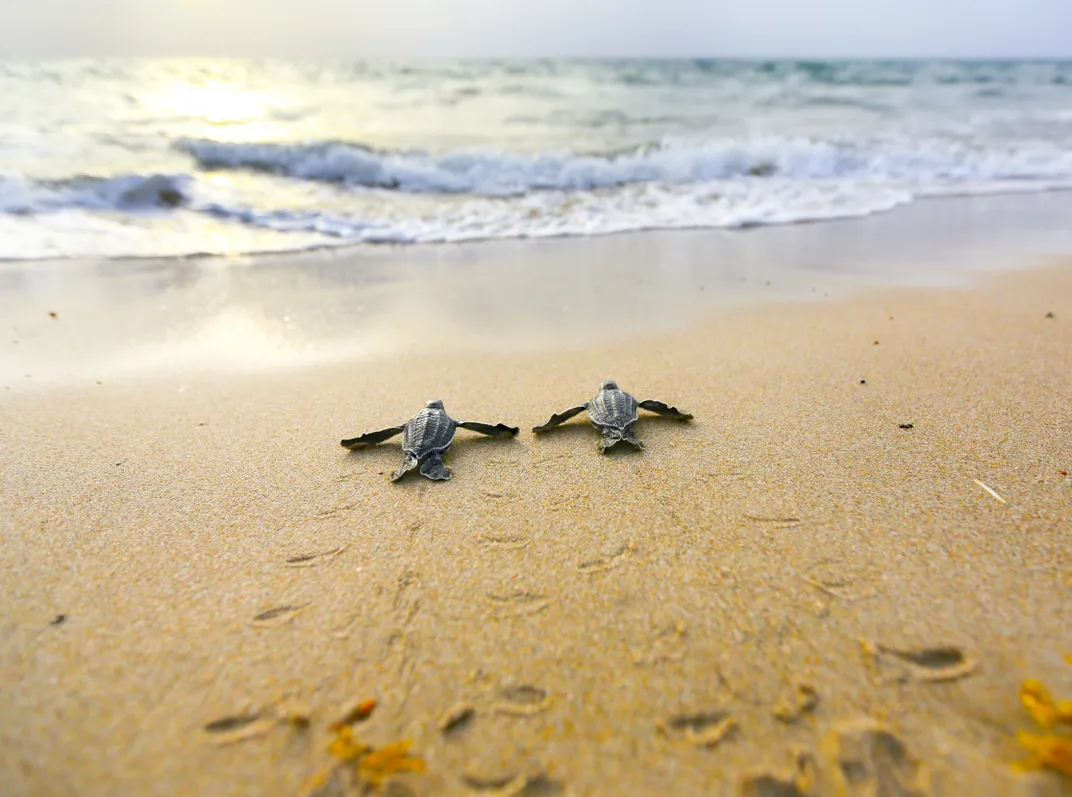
794, 584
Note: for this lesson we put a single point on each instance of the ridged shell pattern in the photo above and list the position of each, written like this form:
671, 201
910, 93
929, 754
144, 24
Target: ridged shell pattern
614, 408
429, 430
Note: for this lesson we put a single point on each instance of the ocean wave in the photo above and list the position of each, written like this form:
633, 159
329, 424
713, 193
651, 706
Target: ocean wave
498, 173
406, 197
127, 193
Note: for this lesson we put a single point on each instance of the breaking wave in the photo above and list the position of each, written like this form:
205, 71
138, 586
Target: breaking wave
128, 193
498, 173
292, 196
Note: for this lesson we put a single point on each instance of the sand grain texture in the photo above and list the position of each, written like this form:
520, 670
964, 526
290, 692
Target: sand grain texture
219, 559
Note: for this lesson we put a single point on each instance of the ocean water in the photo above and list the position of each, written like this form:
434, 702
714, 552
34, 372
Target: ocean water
177, 157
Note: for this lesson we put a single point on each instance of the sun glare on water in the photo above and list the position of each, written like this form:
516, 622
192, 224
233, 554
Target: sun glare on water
226, 109
216, 103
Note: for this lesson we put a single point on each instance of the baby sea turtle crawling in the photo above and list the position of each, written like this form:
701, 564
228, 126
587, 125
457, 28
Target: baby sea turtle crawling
425, 438
614, 413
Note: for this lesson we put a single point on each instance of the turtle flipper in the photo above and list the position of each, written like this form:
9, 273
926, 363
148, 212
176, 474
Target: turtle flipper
671, 412
560, 417
498, 430
612, 436
434, 469
371, 439
629, 436
409, 462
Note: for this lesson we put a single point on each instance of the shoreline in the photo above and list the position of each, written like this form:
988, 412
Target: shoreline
373, 248
119, 319
972, 201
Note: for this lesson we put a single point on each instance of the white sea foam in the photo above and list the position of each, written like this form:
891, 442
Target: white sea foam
559, 213
493, 195
497, 173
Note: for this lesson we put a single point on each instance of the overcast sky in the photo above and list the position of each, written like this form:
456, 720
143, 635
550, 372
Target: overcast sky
401, 28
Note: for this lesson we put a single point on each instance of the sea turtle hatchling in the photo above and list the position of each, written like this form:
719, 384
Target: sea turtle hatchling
425, 438
614, 413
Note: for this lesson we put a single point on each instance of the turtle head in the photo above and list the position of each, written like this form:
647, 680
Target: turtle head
609, 384
435, 404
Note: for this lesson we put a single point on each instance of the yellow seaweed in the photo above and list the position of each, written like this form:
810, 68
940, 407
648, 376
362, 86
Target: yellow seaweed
1047, 750
377, 766
374, 766
1040, 704
345, 747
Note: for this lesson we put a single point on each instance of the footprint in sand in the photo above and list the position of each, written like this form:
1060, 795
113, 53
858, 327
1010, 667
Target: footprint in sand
278, 616
238, 728
500, 495
521, 701
519, 603
841, 580
505, 542
494, 784
771, 510
604, 563
456, 720
767, 785
800, 783
340, 508
894, 665
866, 758
538, 785
315, 558
706, 729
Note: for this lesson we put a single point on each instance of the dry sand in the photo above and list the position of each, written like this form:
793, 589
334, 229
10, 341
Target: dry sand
601, 616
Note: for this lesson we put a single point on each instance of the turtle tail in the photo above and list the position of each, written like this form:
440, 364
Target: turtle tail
409, 462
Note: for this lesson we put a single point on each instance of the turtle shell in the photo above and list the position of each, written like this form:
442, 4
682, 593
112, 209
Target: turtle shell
429, 431
612, 407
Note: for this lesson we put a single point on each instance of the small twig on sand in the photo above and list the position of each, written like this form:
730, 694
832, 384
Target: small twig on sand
989, 490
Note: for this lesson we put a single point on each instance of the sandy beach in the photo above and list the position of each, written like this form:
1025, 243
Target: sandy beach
832, 581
